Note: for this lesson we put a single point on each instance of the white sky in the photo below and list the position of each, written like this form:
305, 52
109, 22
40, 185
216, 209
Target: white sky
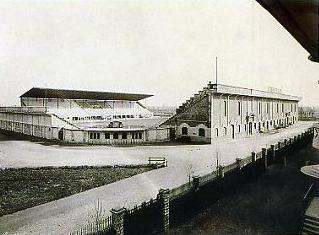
164, 48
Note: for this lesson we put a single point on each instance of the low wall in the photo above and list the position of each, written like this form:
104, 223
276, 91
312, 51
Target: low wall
39, 131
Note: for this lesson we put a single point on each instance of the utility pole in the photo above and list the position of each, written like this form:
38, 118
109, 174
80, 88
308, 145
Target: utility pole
216, 70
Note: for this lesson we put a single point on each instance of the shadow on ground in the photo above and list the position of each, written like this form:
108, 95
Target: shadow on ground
270, 204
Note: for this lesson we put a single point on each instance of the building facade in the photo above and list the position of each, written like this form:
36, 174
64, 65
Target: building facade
83, 117
220, 111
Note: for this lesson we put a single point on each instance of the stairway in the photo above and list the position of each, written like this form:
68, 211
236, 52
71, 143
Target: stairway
311, 217
310, 225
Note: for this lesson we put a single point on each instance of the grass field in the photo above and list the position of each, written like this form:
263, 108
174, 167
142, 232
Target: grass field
28, 187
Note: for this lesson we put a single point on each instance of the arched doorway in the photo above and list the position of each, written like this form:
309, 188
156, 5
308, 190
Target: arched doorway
201, 132
184, 130
172, 133
61, 134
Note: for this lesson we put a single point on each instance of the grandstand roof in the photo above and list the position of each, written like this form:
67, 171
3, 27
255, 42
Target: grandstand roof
77, 94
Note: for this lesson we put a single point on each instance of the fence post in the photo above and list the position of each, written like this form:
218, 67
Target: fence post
273, 156
221, 172
196, 182
164, 203
238, 161
264, 156
118, 220
253, 157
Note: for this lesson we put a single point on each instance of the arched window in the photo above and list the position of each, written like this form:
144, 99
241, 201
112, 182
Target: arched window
201, 132
225, 130
184, 130
216, 132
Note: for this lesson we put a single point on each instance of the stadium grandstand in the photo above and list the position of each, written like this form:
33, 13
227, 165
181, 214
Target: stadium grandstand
83, 117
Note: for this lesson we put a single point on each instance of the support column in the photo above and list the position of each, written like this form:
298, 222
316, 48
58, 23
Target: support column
118, 220
164, 202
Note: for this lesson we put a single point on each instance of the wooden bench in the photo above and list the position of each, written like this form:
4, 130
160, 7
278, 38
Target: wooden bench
158, 161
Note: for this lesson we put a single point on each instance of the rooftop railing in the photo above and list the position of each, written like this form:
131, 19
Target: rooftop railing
16, 109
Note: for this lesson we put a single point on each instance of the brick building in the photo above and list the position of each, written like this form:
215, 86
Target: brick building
220, 111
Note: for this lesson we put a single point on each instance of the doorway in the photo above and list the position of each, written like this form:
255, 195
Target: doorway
250, 128
60, 134
172, 134
233, 131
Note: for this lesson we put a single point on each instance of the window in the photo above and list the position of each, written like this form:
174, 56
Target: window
259, 108
216, 132
245, 127
107, 136
140, 135
94, 136
225, 108
277, 107
134, 135
184, 130
115, 136
201, 132
239, 108
255, 125
225, 130
282, 107
124, 135
267, 107
238, 128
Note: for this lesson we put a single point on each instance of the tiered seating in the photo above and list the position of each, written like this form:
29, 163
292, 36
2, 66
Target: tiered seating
92, 105
188, 104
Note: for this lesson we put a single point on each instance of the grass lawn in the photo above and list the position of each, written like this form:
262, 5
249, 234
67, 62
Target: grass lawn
28, 187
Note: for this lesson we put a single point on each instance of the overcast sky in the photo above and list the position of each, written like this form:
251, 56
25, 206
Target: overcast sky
164, 48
